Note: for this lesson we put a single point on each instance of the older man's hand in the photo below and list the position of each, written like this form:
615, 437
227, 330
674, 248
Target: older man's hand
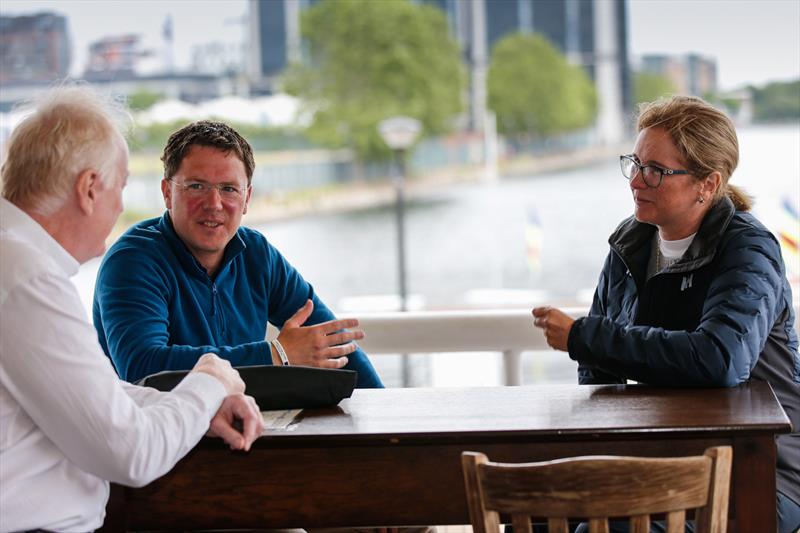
238, 422
221, 369
556, 325
322, 345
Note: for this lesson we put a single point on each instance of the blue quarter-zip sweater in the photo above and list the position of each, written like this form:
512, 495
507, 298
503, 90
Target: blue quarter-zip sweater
155, 307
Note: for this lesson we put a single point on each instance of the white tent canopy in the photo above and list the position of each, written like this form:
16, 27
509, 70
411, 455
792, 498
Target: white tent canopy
167, 111
276, 110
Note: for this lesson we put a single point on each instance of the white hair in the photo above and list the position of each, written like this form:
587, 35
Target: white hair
70, 129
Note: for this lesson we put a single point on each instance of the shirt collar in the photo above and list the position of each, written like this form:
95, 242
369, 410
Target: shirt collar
15, 221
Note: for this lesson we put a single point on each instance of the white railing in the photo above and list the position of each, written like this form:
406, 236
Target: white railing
509, 331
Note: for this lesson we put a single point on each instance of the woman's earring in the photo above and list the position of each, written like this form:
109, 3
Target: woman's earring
701, 200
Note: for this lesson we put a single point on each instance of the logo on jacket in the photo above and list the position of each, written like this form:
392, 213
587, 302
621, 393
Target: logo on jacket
686, 282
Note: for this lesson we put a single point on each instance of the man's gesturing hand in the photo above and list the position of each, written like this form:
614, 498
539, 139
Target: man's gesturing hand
241, 408
323, 345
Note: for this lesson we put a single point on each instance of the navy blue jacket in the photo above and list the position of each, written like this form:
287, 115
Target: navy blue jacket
718, 317
156, 308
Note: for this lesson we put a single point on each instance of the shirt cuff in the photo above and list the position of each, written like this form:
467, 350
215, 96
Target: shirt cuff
205, 387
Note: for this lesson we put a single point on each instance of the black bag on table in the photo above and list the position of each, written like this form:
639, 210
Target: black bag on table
278, 387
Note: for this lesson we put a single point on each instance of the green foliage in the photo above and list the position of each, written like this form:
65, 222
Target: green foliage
778, 101
142, 99
730, 103
153, 138
534, 90
370, 60
648, 87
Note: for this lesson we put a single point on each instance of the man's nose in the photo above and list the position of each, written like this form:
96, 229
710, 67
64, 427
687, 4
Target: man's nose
213, 199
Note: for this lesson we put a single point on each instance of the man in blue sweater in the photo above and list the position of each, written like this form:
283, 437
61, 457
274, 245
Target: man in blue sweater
194, 281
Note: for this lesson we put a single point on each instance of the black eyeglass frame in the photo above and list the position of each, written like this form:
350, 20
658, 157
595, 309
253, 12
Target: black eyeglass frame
640, 168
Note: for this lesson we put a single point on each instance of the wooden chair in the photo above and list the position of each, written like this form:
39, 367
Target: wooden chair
597, 488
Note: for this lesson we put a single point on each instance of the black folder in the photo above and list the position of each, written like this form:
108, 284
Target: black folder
279, 387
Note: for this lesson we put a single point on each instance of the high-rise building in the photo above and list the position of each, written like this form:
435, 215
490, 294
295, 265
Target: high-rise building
117, 55
689, 74
33, 48
274, 40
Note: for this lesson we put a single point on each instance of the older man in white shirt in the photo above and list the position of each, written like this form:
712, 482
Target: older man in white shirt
68, 425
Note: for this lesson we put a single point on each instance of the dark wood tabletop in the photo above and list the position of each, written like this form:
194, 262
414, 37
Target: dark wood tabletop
540, 411
392, 457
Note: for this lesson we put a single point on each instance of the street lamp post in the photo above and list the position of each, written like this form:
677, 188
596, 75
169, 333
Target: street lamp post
399, 182
399, 133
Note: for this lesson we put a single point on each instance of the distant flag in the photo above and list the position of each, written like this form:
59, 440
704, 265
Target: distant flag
534, 237
789, 237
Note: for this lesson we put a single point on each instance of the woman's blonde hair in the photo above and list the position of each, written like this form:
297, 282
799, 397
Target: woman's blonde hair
71, 129
704, 136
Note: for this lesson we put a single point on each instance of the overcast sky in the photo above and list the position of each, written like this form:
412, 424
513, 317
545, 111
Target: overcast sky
753, 41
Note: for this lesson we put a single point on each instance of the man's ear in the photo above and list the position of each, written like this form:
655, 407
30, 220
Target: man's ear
86, 187
166, 192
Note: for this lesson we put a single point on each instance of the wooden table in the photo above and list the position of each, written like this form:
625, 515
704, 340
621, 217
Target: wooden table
392, 457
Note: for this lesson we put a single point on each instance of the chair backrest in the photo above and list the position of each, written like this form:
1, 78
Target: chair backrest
597, 488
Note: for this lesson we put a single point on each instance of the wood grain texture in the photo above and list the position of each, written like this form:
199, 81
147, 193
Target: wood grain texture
601, 488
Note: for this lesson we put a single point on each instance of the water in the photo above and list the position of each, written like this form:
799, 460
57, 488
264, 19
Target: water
467, 247
473, 236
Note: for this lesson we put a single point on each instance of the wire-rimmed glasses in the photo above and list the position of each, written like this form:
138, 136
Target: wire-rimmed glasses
228, 192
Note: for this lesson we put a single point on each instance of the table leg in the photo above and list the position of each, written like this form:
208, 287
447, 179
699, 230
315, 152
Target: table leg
753, 484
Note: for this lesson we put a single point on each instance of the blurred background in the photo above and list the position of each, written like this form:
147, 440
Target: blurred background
512, 185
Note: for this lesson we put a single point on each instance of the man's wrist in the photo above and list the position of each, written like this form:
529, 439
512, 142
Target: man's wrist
273, 354
284, 359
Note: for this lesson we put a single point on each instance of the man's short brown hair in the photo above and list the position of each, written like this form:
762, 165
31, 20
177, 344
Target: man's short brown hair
206, 133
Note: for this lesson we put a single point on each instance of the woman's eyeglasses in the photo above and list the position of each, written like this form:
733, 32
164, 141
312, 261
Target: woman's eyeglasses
651, 174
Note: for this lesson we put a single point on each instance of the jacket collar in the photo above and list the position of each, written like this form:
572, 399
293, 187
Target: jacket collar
234, 247
631, 240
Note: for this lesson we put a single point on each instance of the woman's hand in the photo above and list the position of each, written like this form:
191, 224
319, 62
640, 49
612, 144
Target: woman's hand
556, 325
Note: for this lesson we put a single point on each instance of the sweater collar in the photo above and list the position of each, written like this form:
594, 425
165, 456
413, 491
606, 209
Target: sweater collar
234, 247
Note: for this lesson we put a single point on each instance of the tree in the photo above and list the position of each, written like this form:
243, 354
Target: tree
142, 99
371, 60
648, 87
777, 102
534, 90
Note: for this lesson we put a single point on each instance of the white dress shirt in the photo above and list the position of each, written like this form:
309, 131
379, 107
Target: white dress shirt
68, 425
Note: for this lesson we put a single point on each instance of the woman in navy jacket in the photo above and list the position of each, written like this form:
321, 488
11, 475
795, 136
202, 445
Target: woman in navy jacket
694, 290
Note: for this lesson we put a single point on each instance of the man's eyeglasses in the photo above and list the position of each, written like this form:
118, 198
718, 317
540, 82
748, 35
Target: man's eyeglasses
198, 188
651, 174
